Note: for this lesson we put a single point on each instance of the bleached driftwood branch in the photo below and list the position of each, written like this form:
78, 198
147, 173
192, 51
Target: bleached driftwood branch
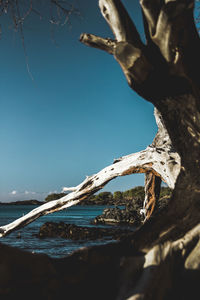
158, 159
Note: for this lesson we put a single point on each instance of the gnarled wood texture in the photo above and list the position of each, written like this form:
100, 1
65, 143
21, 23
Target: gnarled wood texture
165, 71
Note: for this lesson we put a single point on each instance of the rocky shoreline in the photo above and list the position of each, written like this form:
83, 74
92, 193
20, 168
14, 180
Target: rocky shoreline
116, 216
119, 216
130, 215
74, 232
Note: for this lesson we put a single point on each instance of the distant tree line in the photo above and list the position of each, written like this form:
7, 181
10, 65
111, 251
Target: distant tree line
54, 196
116, 198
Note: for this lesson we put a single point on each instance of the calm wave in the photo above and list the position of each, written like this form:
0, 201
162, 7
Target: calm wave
55, 247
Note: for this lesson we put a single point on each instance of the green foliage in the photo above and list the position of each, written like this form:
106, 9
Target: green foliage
118, 195
135, 195
105, 195
54, 196
102, 198
165, 192
137, 192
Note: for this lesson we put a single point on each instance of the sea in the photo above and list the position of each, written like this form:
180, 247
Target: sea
25, 238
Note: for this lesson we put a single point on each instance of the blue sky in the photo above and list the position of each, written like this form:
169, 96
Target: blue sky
75, 117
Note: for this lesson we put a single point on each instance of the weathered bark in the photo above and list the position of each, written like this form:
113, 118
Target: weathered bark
152, 193
165, 71
162, 143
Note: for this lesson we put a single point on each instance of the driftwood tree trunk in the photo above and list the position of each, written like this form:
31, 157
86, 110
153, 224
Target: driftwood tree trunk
164, 71
161, 259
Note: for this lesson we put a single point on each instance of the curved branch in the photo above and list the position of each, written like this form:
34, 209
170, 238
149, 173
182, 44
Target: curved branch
152, 193
151, 12
159, 159
148, 160
170, 26
119, 21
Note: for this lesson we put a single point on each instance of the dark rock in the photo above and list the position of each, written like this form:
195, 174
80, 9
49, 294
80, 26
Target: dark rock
90, 273
129, 215
18, 235
74, 232
86, 274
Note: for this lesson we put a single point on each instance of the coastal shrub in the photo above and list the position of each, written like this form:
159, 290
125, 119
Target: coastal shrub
117, 195
135, 195
165, 191
54, 196
137, 192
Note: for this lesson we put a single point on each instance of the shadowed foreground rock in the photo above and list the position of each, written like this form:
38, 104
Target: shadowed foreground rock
105, 272
30, 276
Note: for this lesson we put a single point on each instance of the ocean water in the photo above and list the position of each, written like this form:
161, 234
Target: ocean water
54, 247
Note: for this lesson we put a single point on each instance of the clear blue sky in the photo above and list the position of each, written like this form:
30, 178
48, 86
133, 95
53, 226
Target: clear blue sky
75, 117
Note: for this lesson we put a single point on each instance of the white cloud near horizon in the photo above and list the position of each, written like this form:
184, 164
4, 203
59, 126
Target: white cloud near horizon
17, 195
26, 192
14, 192
29, 193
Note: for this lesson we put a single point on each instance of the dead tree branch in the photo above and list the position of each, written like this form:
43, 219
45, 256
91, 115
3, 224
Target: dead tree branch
92, 40
158, 159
